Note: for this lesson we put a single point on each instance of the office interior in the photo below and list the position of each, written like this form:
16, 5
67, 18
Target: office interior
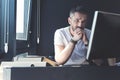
45, 16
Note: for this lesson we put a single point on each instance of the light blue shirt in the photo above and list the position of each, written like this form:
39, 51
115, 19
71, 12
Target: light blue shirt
62, 37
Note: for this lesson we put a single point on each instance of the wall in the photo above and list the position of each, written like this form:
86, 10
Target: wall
54, 15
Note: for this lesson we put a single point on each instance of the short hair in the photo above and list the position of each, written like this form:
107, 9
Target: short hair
79, 9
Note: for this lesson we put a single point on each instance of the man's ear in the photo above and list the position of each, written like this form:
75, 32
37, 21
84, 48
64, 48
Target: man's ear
69, 20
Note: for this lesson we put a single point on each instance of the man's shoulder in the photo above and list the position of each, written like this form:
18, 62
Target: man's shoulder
62, 29
87, 30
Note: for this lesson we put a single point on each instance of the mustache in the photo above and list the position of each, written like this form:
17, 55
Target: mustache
80, 28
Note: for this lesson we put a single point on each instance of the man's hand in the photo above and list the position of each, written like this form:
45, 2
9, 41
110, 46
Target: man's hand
84, 38
78, 34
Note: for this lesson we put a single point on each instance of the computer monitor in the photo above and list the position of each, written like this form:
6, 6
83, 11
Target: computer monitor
105, 36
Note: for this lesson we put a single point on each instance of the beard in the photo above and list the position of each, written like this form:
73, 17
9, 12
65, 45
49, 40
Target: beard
73, 28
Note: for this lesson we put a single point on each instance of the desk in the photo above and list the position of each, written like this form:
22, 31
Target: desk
1, 76
66, 73
1, 73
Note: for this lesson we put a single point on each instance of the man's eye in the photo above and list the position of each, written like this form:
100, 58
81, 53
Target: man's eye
76, 20
84, 21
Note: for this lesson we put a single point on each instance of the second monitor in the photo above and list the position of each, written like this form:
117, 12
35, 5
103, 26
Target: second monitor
105, 36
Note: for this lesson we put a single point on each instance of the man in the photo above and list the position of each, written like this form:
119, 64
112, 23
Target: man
71, 42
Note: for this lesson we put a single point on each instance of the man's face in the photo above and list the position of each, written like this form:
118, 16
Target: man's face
77, 20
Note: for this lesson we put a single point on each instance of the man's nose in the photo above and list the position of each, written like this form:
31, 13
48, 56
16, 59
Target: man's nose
80, 24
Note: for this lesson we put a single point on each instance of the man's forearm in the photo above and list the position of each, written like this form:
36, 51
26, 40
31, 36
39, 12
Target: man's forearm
65, 54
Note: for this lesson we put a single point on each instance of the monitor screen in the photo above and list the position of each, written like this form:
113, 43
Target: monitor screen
105, 36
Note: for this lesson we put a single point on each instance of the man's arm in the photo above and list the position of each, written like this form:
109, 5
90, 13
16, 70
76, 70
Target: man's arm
63, 53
